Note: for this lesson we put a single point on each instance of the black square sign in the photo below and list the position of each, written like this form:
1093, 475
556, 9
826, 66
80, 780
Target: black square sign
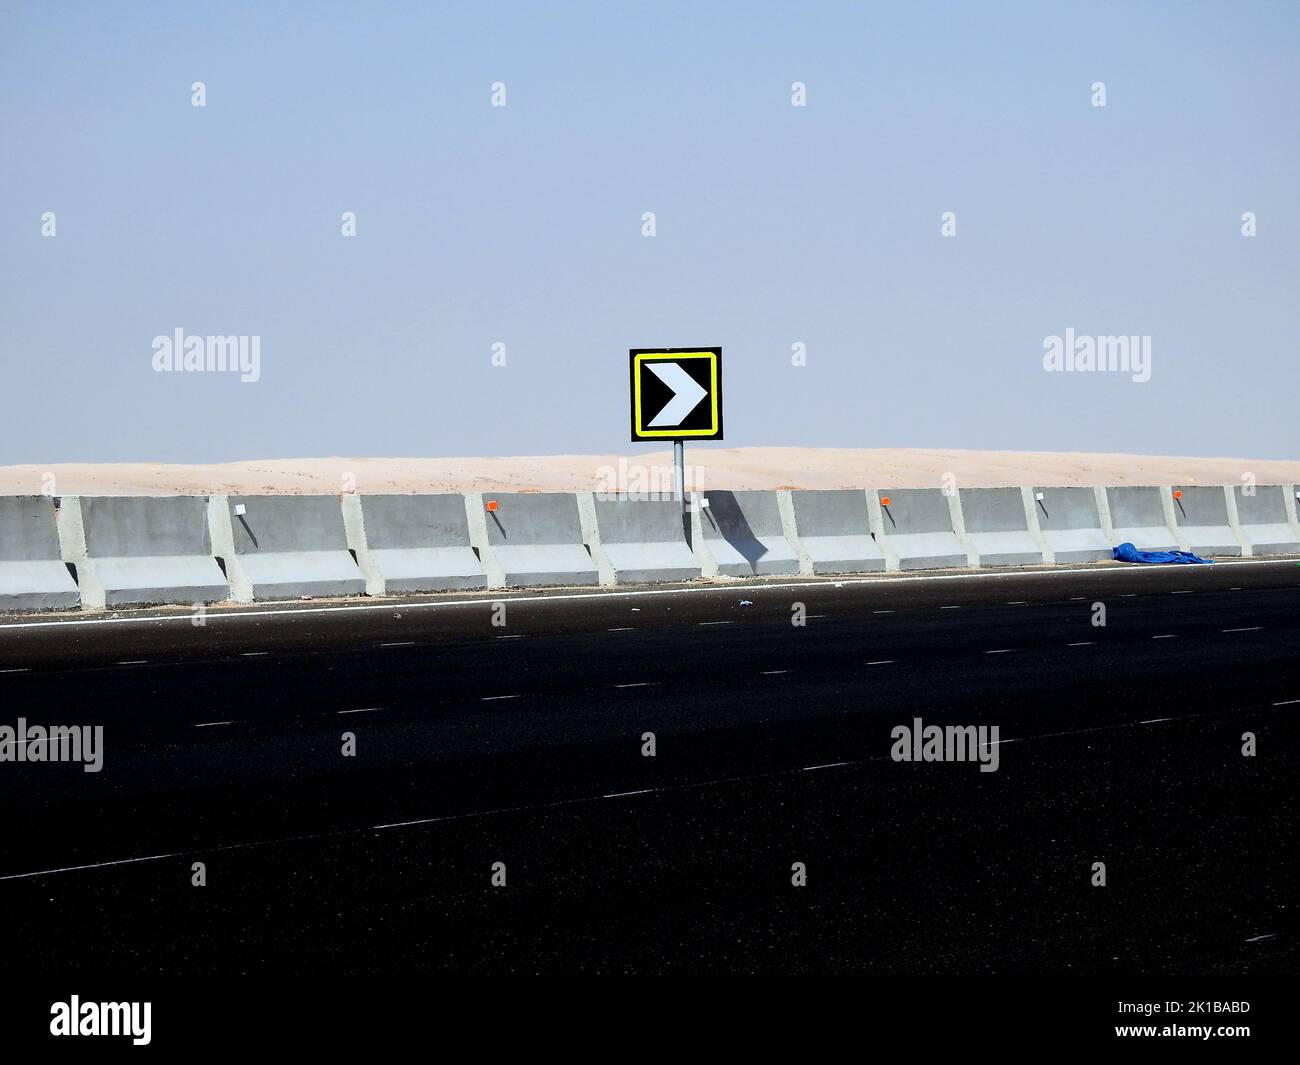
676, 393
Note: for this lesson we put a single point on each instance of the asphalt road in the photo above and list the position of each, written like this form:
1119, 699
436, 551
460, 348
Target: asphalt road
521, 743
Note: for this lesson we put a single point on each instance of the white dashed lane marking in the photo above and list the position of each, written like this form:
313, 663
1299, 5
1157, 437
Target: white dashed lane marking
493, 698
1287, 702
363, 710
253, 654
713, 623
881, 662
1154, 720
773, 672
1001, 651
135, 662
399, 643
1249, 628
1081, 643
622, 628
638, 684
624, 794
23, 670
827, 765
209, 724
1166, 636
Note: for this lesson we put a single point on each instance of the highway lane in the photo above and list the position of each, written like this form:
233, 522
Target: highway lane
223, 745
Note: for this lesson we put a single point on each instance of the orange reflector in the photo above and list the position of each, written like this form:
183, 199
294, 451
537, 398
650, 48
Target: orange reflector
1178, 495
492, 504
884, 501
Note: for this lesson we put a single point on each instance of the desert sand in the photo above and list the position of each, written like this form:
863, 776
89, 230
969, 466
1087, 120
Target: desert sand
733, 468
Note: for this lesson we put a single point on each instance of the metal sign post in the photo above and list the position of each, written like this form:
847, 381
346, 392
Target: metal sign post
679, 461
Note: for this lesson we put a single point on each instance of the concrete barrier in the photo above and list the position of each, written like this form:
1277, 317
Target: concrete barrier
110, 551
33, 575
284, 547
1263, 520
532, 538
744, 535
920, 527
1202, 521
1138, 516
831, 532
641, 540
148, 549
1071, 524
997, 526
412, 543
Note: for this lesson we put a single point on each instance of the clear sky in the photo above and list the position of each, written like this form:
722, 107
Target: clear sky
522, 224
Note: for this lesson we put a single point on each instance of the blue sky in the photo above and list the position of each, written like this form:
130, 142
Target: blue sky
522, 225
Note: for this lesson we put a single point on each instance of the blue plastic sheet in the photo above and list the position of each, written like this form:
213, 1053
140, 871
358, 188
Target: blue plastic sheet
1129, 553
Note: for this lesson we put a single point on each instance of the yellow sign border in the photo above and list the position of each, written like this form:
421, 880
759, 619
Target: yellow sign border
674, 356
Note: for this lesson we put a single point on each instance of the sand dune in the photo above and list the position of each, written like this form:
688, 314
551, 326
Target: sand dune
736, 468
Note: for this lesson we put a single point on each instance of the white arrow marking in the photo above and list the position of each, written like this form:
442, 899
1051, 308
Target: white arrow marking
686, 393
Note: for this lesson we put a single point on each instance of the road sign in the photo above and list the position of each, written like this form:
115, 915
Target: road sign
676, 393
